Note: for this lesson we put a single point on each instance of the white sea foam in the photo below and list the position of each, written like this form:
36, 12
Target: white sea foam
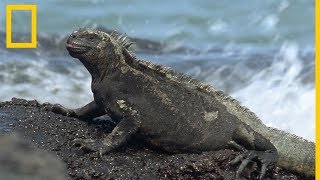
269, 22
218, 27
31, 79
279, 98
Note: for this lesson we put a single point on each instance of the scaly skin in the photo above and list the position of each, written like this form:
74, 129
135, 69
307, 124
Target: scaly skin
295, 153
171, 111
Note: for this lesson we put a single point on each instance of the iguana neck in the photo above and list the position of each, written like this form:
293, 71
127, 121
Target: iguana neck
100, 70
106, 63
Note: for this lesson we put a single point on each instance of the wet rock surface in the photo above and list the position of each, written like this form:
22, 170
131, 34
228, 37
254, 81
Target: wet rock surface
55, 133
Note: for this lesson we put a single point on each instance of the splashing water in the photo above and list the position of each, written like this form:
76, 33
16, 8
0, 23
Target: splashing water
276, 90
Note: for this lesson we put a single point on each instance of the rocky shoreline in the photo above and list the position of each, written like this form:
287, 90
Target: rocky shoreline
53, 134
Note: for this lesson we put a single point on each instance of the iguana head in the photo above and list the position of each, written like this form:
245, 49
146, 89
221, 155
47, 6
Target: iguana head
87, 43
92, 47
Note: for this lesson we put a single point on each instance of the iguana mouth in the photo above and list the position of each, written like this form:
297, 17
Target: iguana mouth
76, 48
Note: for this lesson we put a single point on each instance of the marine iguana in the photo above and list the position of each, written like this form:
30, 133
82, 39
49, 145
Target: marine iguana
172, 111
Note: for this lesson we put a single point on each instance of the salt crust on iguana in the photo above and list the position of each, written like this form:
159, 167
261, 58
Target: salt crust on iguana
172, 111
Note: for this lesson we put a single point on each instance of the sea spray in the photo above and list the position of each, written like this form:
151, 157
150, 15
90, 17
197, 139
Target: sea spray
278, 98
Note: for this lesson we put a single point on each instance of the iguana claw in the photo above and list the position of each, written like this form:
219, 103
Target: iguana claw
58, 109
90, 145
266, 159
87, 145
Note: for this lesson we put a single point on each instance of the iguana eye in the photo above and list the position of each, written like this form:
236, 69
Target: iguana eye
92, 37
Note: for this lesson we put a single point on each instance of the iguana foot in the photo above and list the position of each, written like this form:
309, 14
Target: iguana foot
90, 145
266, 158
58, 109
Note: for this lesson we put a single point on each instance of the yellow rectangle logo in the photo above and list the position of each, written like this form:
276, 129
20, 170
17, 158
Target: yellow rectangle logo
13, 7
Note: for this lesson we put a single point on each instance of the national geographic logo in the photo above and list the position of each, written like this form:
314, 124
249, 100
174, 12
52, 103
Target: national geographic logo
21, 7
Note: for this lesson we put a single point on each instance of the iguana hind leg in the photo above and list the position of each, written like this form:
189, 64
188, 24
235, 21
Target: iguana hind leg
255, 147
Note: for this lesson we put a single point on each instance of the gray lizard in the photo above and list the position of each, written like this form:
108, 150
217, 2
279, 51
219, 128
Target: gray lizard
172, 111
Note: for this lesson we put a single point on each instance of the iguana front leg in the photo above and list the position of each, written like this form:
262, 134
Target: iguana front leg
255, 147
87, 112
124, 130
119, 136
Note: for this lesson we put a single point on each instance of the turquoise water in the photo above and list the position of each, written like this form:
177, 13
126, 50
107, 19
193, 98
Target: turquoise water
261, 52
194, 23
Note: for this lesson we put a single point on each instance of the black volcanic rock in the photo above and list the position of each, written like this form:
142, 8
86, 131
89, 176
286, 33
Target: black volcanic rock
54, 133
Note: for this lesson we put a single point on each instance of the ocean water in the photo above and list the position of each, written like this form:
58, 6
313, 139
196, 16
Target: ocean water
260, 52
